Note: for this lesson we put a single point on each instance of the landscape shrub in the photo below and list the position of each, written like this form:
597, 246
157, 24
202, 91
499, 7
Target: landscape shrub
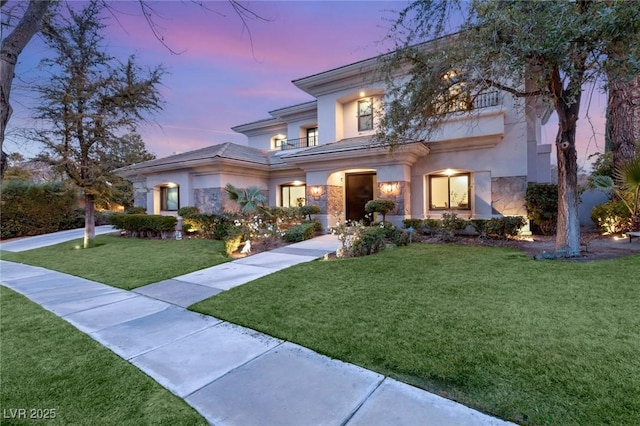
541, 201
308, 210
301, 232
372, 240
188, 211
380, 205
144, 226
136, 210
449, 225
233, 238
317, 226
399, 237
33, 209
417, 224
501, 228
213, 226
612, 217
498, 227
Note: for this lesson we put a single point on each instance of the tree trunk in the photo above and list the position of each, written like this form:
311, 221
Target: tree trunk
568, 230
623, 118
11, 48
89, 221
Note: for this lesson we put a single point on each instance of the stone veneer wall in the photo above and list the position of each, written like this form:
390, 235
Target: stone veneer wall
209, 200
215, 200
400, 196
334, 201
140, 199
508, 195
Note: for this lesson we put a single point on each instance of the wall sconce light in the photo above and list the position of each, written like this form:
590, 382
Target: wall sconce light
389, 187
316, 191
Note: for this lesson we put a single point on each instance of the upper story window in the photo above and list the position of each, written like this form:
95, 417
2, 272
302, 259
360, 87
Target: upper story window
365, 115
312, 136
169, 198
278, 141
449, 192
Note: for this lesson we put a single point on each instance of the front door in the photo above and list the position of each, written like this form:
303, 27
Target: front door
359, 190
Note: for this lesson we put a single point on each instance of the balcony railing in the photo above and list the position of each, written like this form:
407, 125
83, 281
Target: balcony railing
487, 99
298, 143
464, 103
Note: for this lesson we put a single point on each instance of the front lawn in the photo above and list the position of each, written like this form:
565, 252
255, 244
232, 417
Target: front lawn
535, 342
54, 374
126, 263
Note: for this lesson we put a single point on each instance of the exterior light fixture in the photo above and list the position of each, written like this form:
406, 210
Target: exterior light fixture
316, 191
389, 187
362, 93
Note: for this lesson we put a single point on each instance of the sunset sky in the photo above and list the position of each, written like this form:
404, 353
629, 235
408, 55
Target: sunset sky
223, 77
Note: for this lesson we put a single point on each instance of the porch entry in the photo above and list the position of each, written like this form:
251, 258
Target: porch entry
359, 188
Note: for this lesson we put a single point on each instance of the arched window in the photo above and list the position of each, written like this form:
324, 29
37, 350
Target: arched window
169, 197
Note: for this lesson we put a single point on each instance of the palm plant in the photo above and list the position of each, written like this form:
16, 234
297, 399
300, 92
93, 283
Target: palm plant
626, 187
250, 199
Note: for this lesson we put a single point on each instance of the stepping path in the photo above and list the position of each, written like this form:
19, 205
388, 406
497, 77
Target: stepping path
230, 374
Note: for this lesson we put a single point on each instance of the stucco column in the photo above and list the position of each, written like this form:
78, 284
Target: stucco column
400, 193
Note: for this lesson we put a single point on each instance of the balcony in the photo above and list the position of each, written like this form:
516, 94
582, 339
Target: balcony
463, 102
298, 143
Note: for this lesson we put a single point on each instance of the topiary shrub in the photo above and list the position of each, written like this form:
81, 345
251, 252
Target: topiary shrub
612, 217
380, 205
541, 202
309, 209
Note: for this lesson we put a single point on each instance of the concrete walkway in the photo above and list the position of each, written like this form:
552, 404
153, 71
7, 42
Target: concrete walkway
28, 243
230, 374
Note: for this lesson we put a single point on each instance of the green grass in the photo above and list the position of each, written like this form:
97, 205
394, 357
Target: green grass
126, 263
536, 342
49, 365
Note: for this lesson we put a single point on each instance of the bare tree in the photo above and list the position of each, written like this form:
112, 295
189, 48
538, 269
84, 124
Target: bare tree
89, 104
31, 22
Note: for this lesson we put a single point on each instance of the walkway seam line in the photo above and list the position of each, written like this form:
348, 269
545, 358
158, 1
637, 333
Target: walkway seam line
365, 399
282, 342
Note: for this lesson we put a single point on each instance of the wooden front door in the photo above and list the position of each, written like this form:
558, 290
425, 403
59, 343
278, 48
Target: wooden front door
359, 190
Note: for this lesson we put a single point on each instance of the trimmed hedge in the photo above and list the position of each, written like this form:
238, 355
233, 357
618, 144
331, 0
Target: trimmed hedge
304, 231
498, 228
144, 225
33, 209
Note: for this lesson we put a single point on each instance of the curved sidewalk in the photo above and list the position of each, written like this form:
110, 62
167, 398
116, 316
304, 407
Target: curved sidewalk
230, 374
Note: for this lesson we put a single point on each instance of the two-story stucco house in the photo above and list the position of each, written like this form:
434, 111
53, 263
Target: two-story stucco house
323, 152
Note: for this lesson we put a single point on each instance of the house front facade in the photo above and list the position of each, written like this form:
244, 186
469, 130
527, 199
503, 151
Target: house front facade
324, 152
